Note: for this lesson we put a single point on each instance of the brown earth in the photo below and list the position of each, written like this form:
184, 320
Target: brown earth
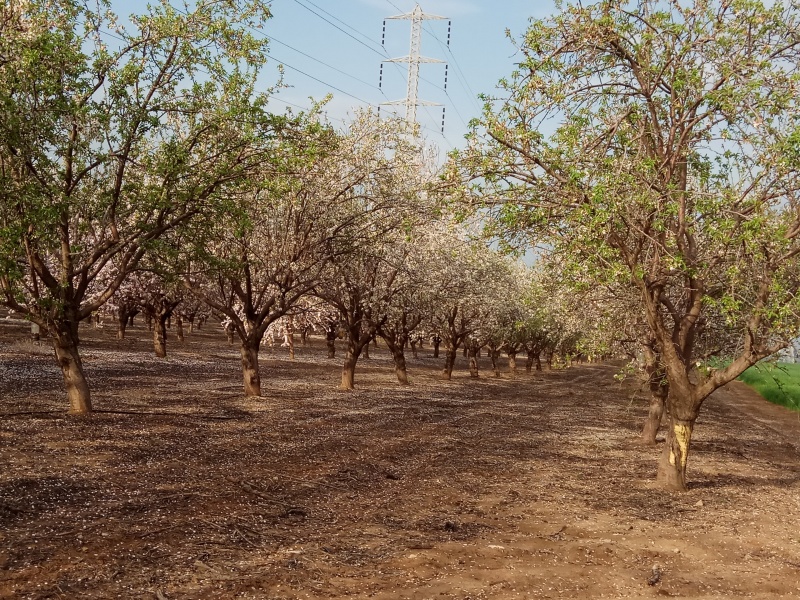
178, 487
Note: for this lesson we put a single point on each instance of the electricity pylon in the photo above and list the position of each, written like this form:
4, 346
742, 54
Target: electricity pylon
413, 59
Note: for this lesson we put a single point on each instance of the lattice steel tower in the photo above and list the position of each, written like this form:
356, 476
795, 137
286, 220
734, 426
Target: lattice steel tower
414, 59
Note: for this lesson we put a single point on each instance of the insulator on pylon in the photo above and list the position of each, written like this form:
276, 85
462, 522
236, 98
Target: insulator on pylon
380, 77
379, 111
383, 35
449, 23
443, 120
445, 77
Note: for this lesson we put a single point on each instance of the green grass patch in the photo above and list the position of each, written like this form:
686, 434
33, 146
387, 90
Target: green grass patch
777, 382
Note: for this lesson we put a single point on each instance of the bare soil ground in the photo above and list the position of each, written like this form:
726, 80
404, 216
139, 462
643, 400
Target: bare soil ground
532, 486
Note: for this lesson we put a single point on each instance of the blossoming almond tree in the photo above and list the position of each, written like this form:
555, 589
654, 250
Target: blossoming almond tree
386, 207
658, 144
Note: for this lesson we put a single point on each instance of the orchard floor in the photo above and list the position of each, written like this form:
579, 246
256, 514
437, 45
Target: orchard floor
524, 487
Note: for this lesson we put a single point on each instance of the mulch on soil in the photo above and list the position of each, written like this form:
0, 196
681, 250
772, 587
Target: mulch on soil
526, 486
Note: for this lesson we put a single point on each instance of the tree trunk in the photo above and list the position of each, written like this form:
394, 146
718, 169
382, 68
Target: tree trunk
533, 357
472, 352
229, 334
653, 421
414, 348
304, 336
449, 363
160, 337
357, 341
366, 351
436, 342
494, 355
250, 371
349, 368
290, 336
179, 328
65, 343
512, 362
190, 318
122, 323
400, 364
149, 320
659, 390
330, 339
672, 466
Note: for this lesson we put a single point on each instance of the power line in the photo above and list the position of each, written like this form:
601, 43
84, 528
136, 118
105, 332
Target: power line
428, 81
379, 53
317, 79
271, 98
346, 24
303, 108
417, 18
382, 55
333, 87
274, 39
370, 48
394, 5
459, 72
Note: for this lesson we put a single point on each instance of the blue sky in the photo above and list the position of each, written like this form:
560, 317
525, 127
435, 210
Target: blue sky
346, 36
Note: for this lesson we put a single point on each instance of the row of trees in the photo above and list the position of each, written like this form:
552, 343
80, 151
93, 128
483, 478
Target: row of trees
152, 176
429, 283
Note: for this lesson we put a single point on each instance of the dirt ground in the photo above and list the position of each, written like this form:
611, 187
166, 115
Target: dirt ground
532, 486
